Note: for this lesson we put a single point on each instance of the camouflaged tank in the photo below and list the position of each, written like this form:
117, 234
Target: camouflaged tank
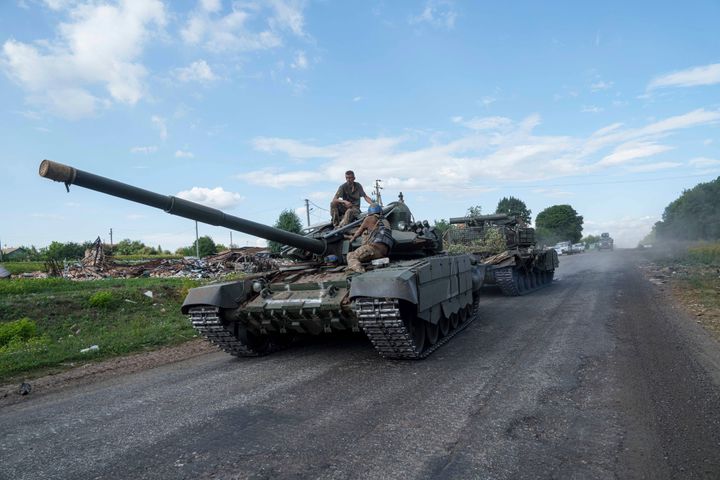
513, 261
408, 304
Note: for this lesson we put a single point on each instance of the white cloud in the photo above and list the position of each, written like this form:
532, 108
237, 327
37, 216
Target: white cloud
145, 150
707, 141
437, 13
300, 62
553, 192
436, 161
183, 154
212, 197
600, 85
198, 71
691, 77
161, 125
652, 167
631, 151
483, 123
357, 99
702, 162
96, 51
277, 179
591, 109
238, 30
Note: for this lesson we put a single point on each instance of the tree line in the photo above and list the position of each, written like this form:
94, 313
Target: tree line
695, 215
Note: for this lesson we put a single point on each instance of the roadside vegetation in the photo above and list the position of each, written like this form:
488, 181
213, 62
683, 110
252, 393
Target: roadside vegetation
46, 323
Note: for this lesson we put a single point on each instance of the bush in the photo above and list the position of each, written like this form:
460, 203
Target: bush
102, 299
17, 331
708, 254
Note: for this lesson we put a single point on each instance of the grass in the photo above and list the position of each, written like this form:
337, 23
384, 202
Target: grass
695, 279
16, 268
44, 323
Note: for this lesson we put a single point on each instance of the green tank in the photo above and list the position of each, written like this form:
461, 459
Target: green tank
507, 249
407, 304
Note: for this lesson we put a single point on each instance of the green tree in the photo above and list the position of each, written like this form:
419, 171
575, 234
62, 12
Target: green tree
60, 251
514, 207
558, 223
441, 226
474, 211
288, 221
129, 247
695, 215
590, 239
206, 247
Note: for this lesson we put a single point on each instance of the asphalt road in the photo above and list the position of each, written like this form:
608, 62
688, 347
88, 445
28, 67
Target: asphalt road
595, 377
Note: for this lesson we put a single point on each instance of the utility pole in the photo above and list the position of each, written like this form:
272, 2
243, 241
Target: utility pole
231, 245
111, 243
378, 197
1, 250
197, 242
307, 210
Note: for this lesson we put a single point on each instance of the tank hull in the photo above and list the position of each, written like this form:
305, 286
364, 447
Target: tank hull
407, 309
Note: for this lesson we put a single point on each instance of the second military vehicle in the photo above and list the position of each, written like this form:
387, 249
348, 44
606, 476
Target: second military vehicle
507, 248
408, 304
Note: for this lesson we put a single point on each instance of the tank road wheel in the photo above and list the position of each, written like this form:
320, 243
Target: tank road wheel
454, 320
534, 280
462, 315
259, 344
444, 325
432, 332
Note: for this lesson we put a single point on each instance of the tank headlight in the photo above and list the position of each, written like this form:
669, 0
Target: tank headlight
257, 286
402, 226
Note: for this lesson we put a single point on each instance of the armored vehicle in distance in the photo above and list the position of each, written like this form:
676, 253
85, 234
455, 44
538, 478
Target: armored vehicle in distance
513, 262
606, 242
408, 304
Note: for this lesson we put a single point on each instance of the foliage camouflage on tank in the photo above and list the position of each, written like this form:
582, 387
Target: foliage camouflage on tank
507, 248
408, 304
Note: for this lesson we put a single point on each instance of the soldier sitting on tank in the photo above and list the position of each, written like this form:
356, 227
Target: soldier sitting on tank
345, 205
377, 243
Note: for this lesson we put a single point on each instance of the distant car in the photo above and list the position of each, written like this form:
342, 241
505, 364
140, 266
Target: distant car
562, 247
578, 247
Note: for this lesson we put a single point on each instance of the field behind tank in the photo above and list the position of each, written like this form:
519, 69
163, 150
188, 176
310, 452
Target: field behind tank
45, 323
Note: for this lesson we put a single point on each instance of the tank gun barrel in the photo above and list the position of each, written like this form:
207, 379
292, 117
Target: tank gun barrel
176, 206
480, 218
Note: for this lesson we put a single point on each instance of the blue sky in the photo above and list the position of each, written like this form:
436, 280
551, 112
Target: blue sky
252, 107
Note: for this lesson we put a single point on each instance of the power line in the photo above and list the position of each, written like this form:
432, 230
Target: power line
578, 184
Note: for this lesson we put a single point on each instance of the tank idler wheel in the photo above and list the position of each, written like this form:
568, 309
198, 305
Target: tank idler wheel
454, 320
444, 325
432, 332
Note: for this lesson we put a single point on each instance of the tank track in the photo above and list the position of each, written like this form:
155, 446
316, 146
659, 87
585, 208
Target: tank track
381, 321
206, 320
507, 279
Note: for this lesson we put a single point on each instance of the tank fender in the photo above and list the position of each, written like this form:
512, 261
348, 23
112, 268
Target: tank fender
385, 283
223, 295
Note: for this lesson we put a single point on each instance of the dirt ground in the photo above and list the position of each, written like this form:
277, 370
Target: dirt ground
87, 372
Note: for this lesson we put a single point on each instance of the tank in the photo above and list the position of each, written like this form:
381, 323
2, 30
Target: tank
408, 304
507, 249
606, 242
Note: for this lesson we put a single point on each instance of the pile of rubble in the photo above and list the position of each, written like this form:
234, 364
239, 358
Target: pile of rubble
96, 264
